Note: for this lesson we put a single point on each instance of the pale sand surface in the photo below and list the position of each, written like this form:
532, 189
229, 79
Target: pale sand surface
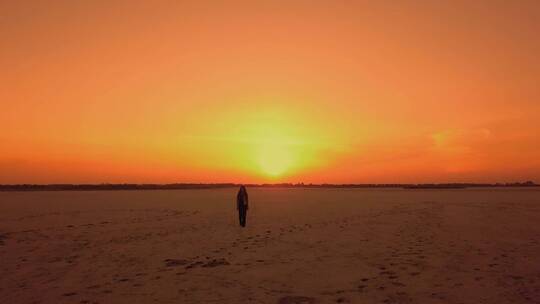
300, 246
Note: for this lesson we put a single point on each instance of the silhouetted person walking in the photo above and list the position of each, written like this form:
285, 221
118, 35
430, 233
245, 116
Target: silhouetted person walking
242, 205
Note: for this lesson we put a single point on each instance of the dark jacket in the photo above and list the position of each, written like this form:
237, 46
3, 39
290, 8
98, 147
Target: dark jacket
242, 199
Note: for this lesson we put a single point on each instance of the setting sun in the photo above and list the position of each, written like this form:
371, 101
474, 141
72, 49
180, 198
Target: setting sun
269, 141
275, 159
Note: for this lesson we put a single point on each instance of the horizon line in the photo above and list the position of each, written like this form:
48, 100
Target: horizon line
179, 186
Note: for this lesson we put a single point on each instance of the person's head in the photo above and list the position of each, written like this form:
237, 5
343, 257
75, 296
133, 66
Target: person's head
243, 188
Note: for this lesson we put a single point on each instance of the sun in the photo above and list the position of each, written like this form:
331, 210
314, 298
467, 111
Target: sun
268, 141
275, 160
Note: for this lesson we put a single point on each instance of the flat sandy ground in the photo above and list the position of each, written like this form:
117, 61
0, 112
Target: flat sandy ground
300, 246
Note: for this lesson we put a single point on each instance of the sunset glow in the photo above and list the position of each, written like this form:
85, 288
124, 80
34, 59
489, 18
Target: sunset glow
269, 91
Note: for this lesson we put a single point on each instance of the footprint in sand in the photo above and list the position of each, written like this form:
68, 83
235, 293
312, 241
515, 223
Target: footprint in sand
175, 262
361, 288
93, 287
216, 262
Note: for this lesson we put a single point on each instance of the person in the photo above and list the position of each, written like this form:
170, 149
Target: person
242, 205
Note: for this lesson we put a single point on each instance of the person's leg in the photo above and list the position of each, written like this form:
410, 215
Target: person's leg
240, 216
243, 217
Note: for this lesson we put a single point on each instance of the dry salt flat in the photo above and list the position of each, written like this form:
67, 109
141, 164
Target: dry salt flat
299, 246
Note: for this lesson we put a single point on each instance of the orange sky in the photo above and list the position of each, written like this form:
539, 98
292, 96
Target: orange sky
269, 91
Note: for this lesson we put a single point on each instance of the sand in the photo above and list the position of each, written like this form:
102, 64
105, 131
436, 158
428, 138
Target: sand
299, 246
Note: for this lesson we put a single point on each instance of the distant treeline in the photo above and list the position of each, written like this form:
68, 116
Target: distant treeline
178, 186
